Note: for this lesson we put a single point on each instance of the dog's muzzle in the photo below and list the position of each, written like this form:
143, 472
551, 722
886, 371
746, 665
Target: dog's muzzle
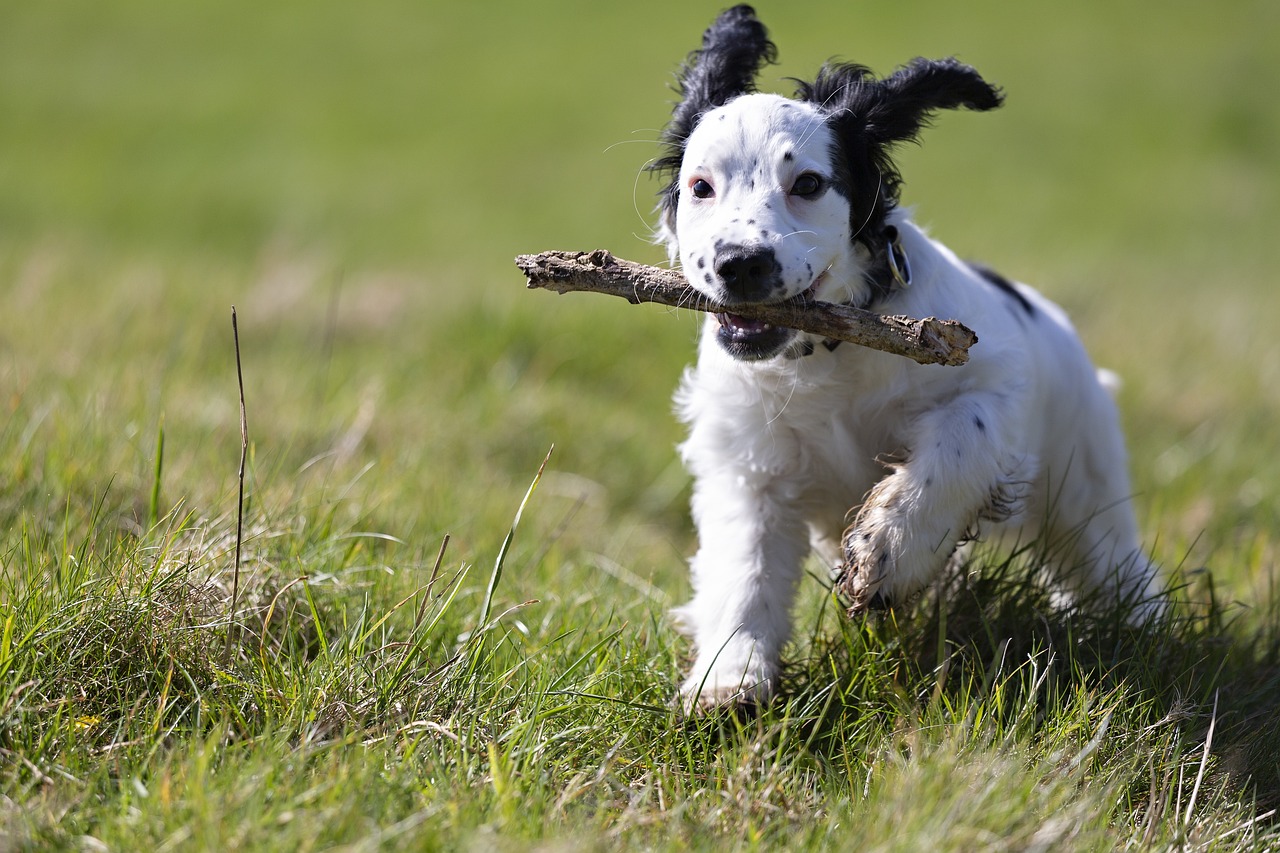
748, 273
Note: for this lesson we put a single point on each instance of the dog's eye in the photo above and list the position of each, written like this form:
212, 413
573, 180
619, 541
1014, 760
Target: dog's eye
807, 185
701, 189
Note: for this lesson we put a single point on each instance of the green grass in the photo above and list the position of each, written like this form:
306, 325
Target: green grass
355, 180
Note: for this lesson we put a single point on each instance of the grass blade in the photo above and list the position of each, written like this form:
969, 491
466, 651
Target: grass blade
487, 607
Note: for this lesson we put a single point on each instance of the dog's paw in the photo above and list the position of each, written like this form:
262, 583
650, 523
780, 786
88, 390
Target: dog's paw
872, 549
742, 695
722, 702
860, 580
898, 543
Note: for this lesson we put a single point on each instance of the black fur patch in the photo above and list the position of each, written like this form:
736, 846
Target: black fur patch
1004, 285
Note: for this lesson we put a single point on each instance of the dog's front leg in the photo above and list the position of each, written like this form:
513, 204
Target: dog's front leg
961, 465
751, 546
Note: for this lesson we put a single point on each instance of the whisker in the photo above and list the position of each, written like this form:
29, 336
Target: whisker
871, 211
635, 191
792, 372
646, 141
817, 122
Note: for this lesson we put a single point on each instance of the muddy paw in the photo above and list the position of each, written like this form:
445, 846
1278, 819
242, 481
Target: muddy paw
865, 569
858, 595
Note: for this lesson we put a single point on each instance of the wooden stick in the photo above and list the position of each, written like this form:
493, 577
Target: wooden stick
927, 341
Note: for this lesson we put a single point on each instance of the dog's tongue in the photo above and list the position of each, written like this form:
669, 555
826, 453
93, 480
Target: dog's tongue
742, 327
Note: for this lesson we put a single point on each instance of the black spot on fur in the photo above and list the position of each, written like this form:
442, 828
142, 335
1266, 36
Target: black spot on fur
1003, 285
702, 262
977, 421
788, 156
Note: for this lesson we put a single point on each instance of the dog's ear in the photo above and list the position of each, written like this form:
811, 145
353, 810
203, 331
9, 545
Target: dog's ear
896, 108
910, 96
870, 116
734, 48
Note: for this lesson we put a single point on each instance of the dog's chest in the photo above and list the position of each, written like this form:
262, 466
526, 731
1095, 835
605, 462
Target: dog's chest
837, 438
820, 427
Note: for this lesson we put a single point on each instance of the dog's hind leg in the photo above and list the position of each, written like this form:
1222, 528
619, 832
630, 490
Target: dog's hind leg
1093, 537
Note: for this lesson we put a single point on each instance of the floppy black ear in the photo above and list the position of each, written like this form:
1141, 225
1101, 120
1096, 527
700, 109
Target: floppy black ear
733, 49
896, 108
870, 116
909, 97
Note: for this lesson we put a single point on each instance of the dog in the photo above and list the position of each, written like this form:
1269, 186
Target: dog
791, 436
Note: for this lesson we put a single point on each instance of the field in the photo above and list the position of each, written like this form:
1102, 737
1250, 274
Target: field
427, 645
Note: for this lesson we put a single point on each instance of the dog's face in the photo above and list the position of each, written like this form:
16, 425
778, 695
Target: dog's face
761, 214
772, 197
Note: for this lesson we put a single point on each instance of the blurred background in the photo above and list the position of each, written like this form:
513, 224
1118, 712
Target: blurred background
356, 179
415, 133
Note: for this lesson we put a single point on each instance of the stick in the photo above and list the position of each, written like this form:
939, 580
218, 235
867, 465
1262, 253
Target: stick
927, 341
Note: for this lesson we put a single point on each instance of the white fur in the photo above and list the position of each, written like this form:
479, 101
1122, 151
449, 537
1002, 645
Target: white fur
785, 451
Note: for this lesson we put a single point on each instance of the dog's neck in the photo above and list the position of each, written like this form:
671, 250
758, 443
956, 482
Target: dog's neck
888, 271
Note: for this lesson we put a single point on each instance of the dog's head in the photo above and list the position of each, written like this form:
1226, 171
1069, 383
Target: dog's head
774, 197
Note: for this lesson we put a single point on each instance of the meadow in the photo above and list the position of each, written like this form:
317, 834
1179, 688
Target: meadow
434, 642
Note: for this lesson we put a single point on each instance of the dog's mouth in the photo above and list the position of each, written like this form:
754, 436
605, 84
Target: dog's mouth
754, 340
751, 340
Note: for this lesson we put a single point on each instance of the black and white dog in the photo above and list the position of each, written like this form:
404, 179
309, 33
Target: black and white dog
790, 436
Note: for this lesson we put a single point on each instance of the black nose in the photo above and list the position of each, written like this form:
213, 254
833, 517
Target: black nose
749, 273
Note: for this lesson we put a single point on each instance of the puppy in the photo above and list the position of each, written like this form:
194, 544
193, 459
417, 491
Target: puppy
791, 436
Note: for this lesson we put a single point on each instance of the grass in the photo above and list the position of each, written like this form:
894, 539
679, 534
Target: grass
355, 182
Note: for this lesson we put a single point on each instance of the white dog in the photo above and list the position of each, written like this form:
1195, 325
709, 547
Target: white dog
790, 436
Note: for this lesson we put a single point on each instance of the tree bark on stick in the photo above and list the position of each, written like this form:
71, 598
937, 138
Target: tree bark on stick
927, 341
